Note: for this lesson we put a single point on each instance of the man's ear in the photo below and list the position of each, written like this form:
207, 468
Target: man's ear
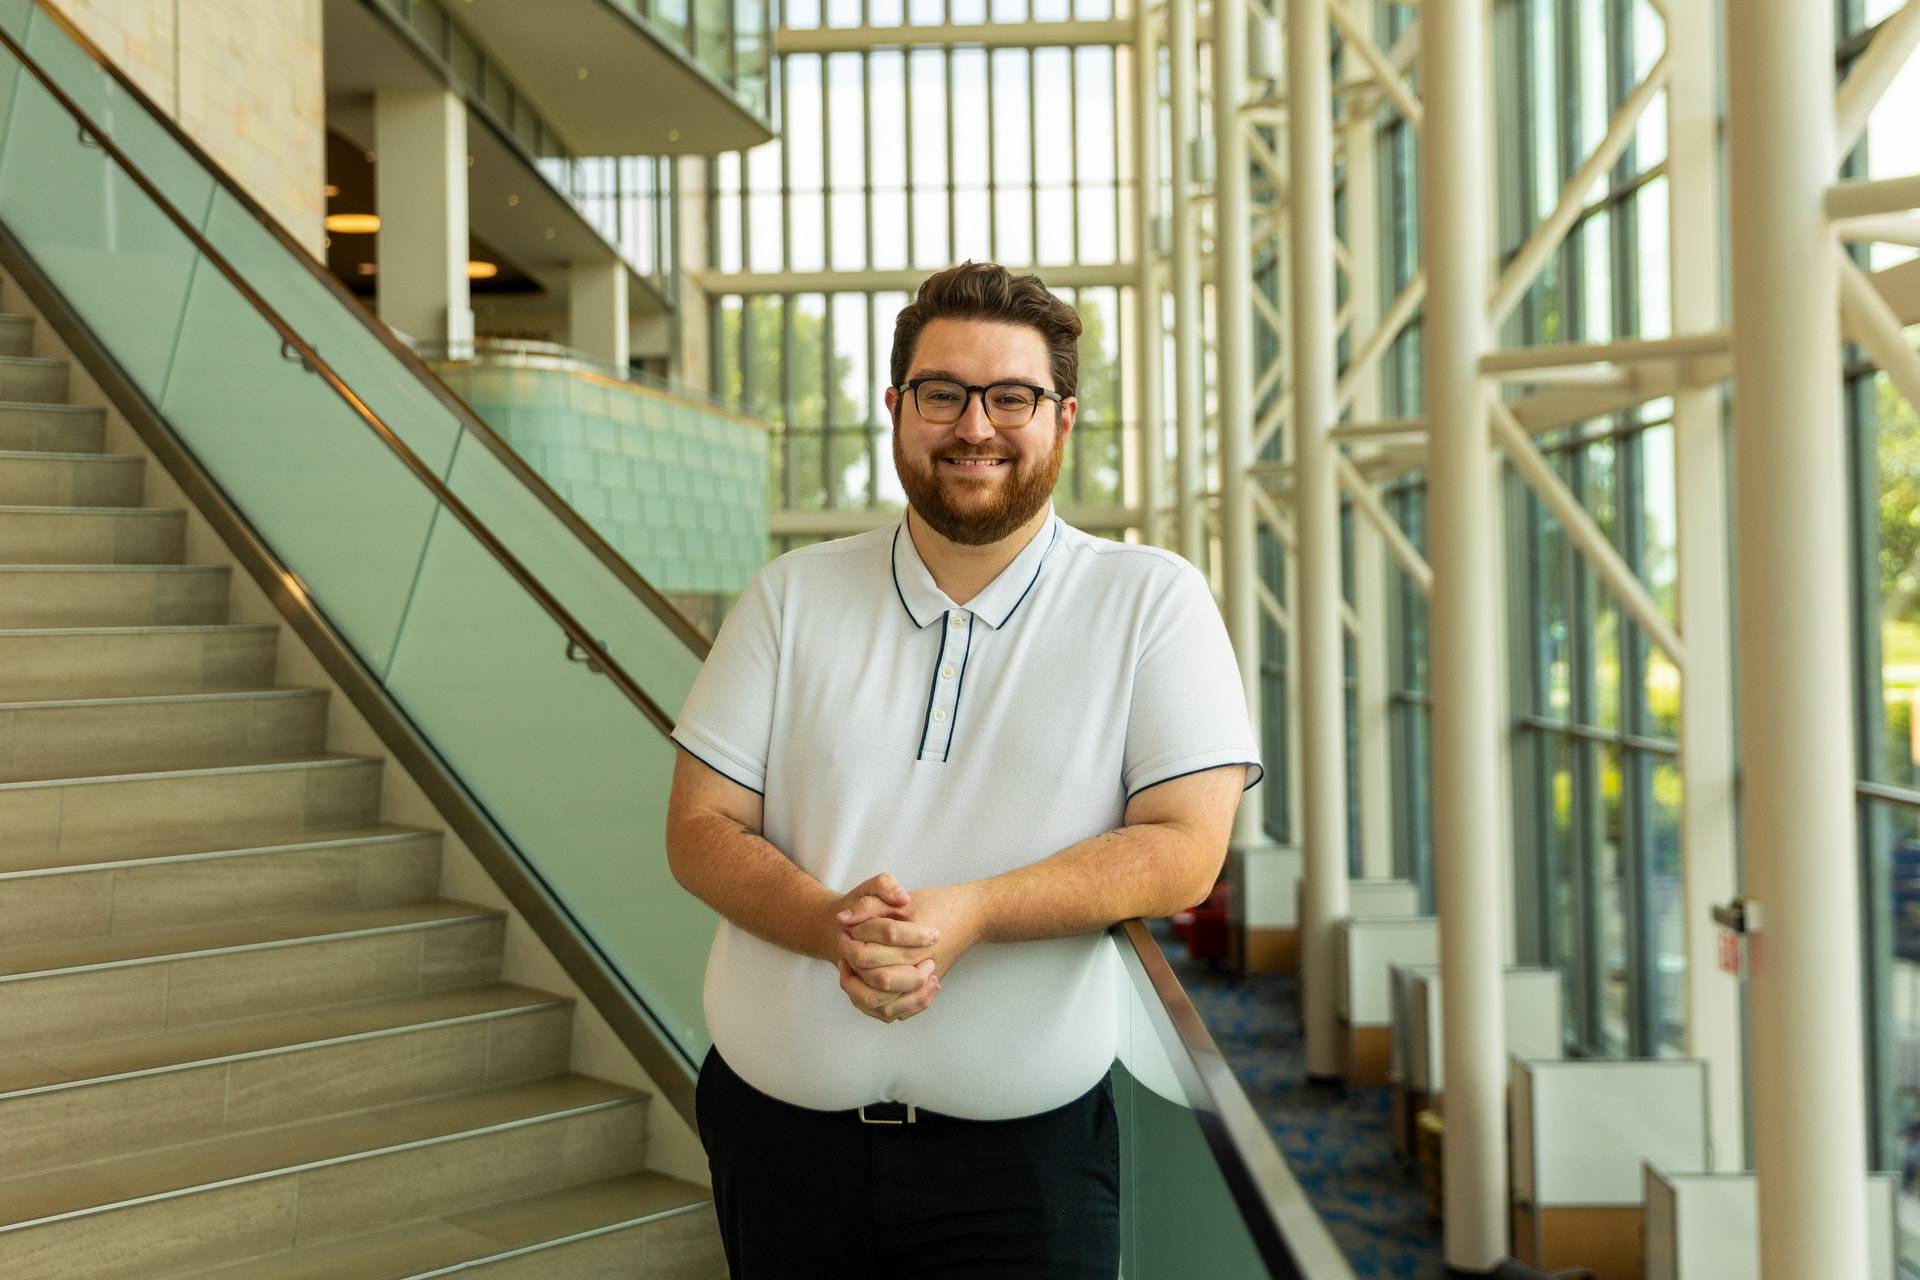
1069, 411
893, 404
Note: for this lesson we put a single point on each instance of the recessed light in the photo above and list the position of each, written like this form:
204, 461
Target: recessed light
365, 269
482, 270
372, 157
353, 224
673, 135
581, 74
332, 189
550, 233
469, 162
512, 201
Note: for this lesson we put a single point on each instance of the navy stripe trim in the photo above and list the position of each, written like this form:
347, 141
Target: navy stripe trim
717, 769
926, 717
1255, 772
893, 564
953, 725
1036, 574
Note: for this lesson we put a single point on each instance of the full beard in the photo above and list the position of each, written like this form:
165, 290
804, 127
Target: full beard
978, 521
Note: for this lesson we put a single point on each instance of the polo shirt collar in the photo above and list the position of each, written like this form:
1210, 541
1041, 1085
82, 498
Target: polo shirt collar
925, 602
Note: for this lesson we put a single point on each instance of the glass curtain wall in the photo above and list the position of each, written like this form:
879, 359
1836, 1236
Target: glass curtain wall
1884, 432
886, 164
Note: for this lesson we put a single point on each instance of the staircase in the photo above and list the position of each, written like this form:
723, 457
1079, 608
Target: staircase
241, 1035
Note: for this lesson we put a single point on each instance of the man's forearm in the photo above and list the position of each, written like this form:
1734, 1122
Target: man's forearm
740, 874
1150, 869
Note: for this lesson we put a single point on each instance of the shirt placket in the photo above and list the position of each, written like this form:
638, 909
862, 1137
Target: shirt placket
956, 639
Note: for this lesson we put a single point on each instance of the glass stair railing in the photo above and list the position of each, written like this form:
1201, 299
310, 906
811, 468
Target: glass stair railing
489, 611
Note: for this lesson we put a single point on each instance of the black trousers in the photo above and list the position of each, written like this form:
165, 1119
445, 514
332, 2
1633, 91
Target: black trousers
803, 1193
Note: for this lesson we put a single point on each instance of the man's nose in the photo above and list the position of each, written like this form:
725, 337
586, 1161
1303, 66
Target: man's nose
973, 426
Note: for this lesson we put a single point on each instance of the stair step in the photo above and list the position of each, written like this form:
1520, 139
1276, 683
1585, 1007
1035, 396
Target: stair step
76, 992
111, 662
92, 535
77, 896
33, 380
66, 428
39, 479
205, 1204
87, 737
95, 1101
16, 335
637, 1224
111, 595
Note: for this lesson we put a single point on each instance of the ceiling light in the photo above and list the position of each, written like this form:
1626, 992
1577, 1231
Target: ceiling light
482, 270
512, 201
365, 269
353, 224
332, 189
673, 135
550, 233
581, 74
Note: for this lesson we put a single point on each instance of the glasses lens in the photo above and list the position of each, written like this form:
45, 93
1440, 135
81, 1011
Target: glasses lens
1009, 404
940, 401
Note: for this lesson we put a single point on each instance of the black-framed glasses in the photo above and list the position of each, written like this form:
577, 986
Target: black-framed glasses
943, 401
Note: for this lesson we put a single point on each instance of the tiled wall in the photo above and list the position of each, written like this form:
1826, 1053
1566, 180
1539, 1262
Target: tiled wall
242, 78
678, 488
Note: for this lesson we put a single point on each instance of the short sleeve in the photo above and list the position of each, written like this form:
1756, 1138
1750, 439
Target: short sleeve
727, 719
1188, 711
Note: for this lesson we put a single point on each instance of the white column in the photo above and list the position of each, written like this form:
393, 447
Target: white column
1183, 57
1316, 515
1150, 431
1707, 827
1464, 631
1795, 664
597, 311
420, 193
1233, 300
1373, 674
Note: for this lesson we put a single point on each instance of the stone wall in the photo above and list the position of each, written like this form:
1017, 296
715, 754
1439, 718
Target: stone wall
242, 78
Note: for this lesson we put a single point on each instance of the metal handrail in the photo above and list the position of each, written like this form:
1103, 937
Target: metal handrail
598, 660
675, 621
1290, 1236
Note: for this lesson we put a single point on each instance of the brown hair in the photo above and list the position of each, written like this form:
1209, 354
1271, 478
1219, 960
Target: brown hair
988, 291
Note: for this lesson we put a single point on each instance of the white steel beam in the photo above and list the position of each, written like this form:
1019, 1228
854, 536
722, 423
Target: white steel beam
1321, 685
1365, 360
1386, 77
1546, 237
1584, 533
1873, 73
1871, 323
1233, 287
1463, 631
1567, 355
1188, 322
991, 35
1870, 196
1368, 504
1892, 228
1793, 647
1150, 435
1708, 827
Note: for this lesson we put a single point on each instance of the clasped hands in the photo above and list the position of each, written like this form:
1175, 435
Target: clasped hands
892, 948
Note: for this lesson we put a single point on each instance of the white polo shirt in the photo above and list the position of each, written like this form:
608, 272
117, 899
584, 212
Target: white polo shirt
890, 729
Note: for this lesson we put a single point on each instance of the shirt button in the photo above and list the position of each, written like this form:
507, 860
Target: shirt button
939, 715
946, 672
959, 621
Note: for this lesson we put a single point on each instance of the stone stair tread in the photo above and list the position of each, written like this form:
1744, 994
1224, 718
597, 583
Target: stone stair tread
116, 1180
38, 405
180, 628
37, 958
19, 509
270, 1033
48, 455
115, 568
251, 764
231, 843
224, 762
185, 695
463, 1239
40, 361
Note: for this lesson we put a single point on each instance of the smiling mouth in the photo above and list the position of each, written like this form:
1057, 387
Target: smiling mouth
976, 465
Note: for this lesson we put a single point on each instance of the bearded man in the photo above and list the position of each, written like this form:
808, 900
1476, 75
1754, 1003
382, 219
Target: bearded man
923, 770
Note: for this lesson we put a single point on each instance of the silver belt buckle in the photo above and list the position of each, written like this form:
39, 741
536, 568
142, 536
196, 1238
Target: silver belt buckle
913, 1116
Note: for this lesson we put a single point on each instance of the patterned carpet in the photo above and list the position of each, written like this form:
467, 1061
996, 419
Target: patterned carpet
1337, 1144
